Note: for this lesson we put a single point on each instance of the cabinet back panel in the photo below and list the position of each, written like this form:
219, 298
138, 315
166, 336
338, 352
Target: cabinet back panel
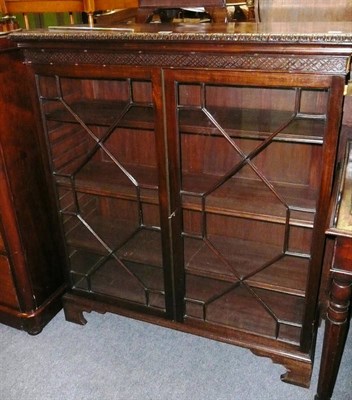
103, 89
263, 232
244, 97
125, 146
297, 164
312, 101
93, 89
291, 164
300, 238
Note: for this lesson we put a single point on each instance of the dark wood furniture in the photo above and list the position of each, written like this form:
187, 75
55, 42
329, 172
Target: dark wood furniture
25, 7
193, 171
42, 6
215, 8
31, 268
174, 12
339, 259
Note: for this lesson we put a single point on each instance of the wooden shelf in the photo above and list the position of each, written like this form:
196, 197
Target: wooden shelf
259, 265
103, 235
104, 113
245, 123
107, 179
254, 124
139, 283
248, 198
272, 314
136, 251
269, 302
133, 273
243, 198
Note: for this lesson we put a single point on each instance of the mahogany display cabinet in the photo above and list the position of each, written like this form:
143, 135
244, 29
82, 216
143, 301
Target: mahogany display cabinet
193, 169
31, 262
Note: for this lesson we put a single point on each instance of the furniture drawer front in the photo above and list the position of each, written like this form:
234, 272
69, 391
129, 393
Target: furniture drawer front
8, 295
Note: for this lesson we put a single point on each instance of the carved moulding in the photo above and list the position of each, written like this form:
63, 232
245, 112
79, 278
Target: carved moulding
131, 35
284, 63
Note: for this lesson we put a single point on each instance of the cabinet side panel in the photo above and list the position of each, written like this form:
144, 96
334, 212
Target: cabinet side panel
27, 215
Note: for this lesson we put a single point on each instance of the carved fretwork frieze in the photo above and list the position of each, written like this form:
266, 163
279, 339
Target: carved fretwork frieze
130, 35
267, 62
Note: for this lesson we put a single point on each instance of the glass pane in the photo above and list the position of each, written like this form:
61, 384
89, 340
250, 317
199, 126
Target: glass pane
107, 183
251, 162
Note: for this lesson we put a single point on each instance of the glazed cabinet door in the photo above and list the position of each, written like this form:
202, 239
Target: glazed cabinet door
106, 166
251, 164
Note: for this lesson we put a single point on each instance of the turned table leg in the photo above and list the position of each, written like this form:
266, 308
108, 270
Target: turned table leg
337, 324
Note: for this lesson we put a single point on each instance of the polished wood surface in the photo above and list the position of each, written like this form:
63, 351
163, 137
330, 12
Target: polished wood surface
31, 270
